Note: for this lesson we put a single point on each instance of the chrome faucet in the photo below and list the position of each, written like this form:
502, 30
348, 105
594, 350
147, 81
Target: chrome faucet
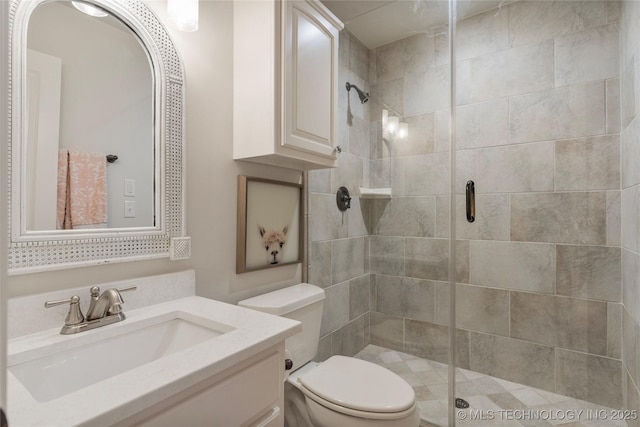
103, 310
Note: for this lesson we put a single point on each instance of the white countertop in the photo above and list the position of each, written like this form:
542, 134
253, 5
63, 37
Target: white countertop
117, 398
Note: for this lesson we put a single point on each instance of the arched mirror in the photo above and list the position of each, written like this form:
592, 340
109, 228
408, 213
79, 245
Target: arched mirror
96, 135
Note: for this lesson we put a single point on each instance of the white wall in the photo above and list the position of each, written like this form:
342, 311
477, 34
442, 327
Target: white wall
211, 177
4, 94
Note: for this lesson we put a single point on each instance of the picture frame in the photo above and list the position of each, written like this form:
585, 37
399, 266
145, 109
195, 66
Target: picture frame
270, 224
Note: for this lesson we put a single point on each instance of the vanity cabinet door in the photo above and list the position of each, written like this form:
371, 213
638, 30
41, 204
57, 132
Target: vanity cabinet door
250, 395
310, 80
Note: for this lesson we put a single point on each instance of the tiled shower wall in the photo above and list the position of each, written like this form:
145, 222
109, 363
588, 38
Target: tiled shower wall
630, 152
539, 272
339, 249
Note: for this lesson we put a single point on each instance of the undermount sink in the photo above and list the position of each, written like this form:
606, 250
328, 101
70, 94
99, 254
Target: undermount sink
55, 372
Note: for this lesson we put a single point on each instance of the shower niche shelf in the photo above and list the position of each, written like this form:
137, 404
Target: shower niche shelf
285, 91
375, 193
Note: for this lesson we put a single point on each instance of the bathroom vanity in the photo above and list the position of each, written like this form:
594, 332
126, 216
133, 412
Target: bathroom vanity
188, 361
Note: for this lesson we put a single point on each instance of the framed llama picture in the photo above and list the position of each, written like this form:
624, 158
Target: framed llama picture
269, 224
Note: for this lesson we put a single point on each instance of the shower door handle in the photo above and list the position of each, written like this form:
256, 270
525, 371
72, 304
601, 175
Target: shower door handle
471, 201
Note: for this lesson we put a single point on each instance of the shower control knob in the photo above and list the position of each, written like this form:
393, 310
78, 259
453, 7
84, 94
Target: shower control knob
288, 364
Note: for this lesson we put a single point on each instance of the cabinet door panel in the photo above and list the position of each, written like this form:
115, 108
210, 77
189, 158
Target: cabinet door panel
310, 80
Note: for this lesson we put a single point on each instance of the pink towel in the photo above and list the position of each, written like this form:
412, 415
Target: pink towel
82, 190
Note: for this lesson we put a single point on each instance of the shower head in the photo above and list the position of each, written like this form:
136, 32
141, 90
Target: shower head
364, 97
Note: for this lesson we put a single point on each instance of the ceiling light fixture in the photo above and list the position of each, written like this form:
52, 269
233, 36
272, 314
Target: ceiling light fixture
183, 14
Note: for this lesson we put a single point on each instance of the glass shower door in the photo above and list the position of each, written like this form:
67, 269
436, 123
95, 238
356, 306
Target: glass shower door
545, 314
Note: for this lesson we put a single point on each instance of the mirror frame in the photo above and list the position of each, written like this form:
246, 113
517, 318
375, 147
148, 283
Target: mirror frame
32, 251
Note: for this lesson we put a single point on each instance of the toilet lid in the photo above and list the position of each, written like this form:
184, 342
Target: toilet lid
360, 385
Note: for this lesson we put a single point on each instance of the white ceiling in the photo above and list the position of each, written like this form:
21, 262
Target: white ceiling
379, 22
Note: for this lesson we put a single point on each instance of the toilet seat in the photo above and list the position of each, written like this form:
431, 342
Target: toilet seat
354, 413
345, 385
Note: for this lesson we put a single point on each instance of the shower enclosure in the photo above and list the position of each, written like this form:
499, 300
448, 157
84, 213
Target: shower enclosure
535, 102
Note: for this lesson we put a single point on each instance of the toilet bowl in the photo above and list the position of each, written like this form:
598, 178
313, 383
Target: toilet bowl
341, 391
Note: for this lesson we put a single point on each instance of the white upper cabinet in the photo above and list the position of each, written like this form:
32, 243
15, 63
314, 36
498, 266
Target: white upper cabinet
285, 83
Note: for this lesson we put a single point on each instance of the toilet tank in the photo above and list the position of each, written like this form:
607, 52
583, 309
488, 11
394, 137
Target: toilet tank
301, 302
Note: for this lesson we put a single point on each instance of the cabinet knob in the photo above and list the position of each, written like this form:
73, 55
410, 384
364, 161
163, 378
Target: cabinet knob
288, 364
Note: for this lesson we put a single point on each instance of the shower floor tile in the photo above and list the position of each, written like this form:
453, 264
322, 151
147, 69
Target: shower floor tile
494, 402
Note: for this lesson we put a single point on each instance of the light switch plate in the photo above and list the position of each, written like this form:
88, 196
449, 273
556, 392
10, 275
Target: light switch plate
129, 209
129, 187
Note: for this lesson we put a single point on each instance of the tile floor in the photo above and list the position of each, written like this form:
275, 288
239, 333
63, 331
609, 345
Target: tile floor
493, 402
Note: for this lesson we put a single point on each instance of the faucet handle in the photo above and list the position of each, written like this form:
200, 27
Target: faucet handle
95, 290
74, 316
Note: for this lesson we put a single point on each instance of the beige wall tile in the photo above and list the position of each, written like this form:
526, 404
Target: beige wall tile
418, 299
614, 330
630, 206
559, 217
483, 124
411, 55
387, 331
593, 272
560, 321
426, 92
588, 164
359, 296
614, 10
588, 377
387, 255
359, 58
324, 349
320, 181
427, 258
442, 131
566, 112
491, 219
408, 216
358, 217
514, 168
478, 308
632, 400
512, 265
431, 341
388, 294
351, 338
320, 272
587, 56
426, 175
347, 174
335, 312
511, 72
358, 138
630, 151
347, 259
613, 103
513, 360
420, 139
389, 93
631, 282
534, 21
326, 221
462, 260
628, 89
480, 34
614, 237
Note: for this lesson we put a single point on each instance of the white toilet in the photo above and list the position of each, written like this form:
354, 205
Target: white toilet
341, 391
